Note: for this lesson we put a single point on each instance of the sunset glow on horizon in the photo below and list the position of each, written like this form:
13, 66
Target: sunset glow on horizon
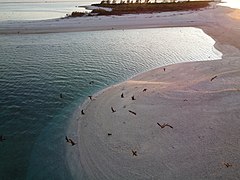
231, 3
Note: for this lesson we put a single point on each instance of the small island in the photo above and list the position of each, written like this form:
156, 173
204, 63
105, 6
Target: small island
107, 7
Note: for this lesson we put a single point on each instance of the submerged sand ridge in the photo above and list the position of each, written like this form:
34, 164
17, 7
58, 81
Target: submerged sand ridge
203, 112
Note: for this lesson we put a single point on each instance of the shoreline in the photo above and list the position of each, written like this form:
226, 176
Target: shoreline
205, 139
95, 23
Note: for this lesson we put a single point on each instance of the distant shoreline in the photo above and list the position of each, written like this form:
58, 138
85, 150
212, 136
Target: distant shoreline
129, 21
108, 9
144, 8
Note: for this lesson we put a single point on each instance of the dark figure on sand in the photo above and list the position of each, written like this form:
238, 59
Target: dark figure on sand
133, 98
227, 165
134, 153
164, 125
164, 69
113, 110
82, 112
144, 90
213, 78
90, 97
70, 141
122, 96
67, 139
109, 134
2, 138
132, 112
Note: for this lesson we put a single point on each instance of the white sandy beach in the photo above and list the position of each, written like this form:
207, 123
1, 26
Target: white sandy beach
200, 100
204, 115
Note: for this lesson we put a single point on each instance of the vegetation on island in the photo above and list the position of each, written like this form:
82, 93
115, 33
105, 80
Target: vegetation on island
138, 6
76, 14
130, 7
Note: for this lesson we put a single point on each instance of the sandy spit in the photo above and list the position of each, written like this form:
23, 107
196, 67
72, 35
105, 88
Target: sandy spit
184, 122
201, 109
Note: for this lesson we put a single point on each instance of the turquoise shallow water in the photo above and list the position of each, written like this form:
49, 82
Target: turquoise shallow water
35, 69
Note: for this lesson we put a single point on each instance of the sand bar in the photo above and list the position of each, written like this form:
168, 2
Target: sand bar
203, 110
186, 120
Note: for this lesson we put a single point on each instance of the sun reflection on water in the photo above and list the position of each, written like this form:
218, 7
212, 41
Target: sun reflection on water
231, 3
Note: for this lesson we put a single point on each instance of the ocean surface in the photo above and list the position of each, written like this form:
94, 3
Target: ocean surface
36, 69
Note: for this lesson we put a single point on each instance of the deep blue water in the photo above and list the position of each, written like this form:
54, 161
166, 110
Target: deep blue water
35, 69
